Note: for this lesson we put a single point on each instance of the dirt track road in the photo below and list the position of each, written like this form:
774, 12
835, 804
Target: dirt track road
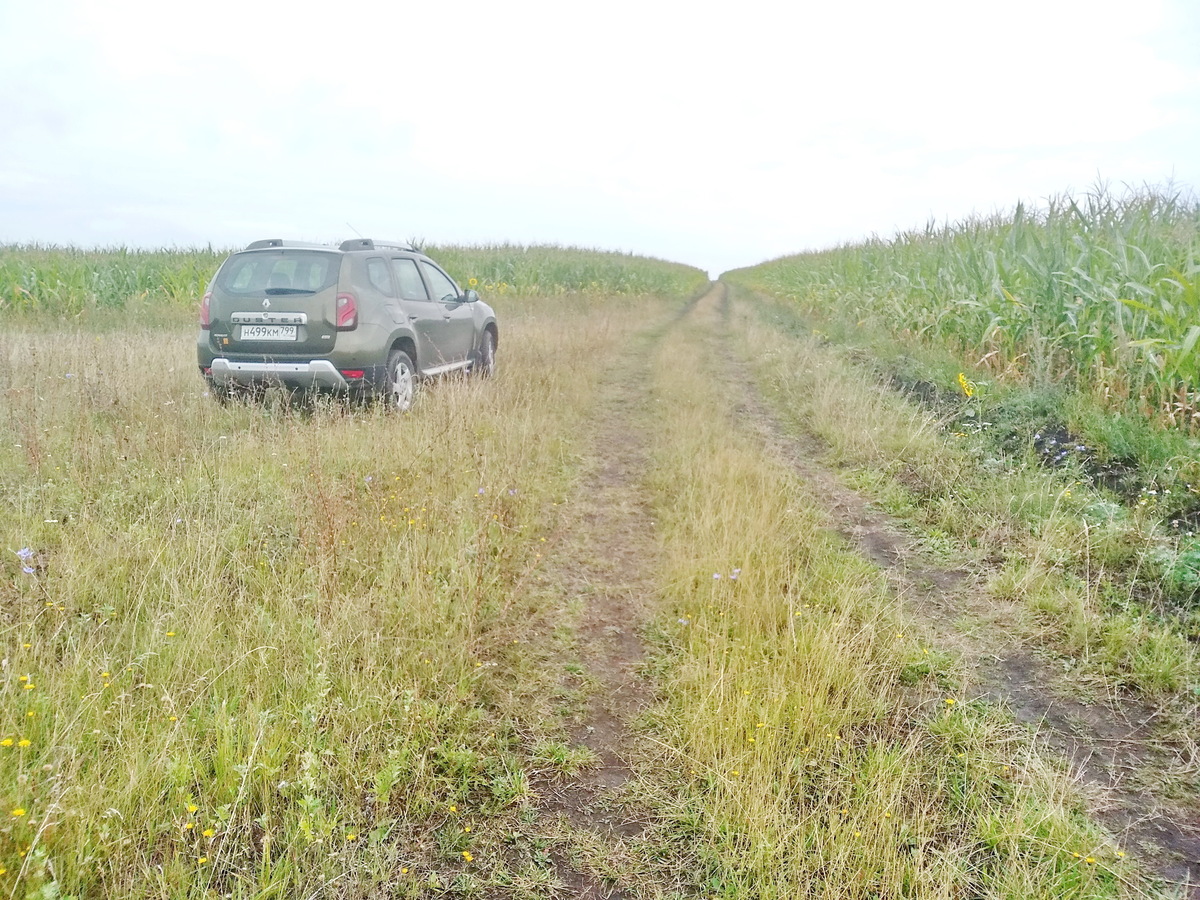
606, 563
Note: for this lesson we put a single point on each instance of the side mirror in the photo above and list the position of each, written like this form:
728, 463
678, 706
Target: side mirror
470, 296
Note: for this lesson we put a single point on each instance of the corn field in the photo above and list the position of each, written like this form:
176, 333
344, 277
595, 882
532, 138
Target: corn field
1099, 292
72, 282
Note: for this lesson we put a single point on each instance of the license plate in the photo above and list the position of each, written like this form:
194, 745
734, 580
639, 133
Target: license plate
268, 333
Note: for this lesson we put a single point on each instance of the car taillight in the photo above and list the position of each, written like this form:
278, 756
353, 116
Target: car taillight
347, 312
206, 311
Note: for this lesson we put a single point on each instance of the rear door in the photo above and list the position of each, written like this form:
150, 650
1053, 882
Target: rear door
276, 302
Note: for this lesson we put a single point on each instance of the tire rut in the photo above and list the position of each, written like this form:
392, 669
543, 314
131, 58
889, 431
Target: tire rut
606, 560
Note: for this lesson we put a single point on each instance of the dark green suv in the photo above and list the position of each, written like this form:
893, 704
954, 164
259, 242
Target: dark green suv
364, 318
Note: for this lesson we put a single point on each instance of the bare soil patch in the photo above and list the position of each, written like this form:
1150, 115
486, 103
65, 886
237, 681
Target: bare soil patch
1112, 745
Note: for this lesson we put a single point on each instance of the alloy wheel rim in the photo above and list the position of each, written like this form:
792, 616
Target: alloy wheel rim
402, 387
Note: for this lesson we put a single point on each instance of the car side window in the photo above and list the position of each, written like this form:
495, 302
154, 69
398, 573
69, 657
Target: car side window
411, 285
377, 274
439, 282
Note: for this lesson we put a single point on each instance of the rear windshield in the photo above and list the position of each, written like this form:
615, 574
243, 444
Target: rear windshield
279, 271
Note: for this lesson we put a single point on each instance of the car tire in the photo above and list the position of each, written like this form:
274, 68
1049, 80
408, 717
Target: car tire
485, 362
401, 381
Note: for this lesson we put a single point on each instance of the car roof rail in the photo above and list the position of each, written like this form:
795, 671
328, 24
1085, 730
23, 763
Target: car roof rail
279, 242
369, 244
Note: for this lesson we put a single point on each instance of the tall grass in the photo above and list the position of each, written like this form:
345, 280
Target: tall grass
1101, 291
264, 651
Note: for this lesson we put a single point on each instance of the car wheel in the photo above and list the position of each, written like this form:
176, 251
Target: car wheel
485, 364
402, 381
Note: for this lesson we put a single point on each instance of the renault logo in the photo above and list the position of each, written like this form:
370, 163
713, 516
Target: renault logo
266, 302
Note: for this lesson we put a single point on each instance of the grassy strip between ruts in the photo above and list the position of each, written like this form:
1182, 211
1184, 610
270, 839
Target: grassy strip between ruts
790, 760
262, 651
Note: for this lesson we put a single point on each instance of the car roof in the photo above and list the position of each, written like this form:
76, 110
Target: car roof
345, 246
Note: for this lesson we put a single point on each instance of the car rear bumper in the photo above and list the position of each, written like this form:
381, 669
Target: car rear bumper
319, 374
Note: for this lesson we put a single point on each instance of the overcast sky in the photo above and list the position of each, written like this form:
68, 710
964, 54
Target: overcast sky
717, 135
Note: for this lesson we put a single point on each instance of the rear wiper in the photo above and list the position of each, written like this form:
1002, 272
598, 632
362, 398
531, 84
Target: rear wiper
275, 291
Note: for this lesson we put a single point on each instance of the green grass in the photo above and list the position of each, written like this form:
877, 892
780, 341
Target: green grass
269, 651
